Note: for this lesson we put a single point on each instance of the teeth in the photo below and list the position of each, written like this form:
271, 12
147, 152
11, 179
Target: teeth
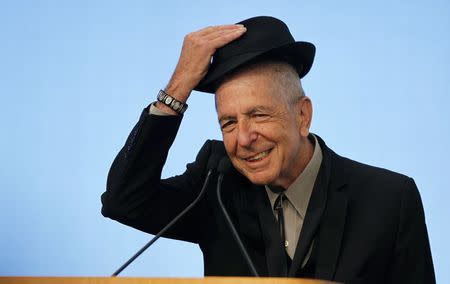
259, 156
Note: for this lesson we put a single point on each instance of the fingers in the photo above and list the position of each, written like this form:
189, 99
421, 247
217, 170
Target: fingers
227, 37
214, 37
226, 33
195, 58
218, 36
217, 29
221, 32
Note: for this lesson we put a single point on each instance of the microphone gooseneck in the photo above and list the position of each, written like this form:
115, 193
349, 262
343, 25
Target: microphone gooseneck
224, 166
212, 164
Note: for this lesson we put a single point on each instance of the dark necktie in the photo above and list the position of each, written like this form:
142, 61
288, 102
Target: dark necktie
278, 207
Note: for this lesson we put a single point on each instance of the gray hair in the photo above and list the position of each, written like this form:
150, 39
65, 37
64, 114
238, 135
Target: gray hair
289, 86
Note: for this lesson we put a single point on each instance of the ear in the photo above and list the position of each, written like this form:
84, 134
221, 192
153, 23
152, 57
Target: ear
306, 112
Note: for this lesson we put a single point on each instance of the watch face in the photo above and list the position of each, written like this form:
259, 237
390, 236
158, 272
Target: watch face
168, 100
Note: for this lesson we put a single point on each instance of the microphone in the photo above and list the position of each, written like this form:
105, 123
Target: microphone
223, 168
212, 164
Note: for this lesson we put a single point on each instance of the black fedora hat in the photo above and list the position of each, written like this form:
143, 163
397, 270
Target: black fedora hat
265, 38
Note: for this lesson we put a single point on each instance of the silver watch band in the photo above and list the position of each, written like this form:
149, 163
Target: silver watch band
171, 102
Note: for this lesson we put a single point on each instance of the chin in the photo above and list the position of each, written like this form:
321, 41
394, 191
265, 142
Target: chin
260, 178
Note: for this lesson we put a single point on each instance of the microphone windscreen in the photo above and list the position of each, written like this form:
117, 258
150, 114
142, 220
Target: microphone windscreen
213, 161
224, 165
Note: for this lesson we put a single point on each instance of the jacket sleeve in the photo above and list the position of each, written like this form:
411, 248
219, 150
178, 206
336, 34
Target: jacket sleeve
137, 196
412, 261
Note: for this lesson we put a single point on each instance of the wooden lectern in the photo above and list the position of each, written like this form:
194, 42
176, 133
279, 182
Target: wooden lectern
130, 280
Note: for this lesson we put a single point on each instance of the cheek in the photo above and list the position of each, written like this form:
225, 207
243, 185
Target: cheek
230, 143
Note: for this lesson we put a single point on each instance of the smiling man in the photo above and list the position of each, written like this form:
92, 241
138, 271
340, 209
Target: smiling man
265, 121
300, 209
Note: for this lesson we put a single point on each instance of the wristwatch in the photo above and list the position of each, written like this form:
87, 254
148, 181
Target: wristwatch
171, 102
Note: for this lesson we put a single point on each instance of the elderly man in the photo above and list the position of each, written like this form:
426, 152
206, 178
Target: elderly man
300, 209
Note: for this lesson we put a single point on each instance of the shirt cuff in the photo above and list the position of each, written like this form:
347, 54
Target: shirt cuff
156, 111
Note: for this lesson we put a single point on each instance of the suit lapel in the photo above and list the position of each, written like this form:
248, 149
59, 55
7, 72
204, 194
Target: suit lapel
324, 219
313, 216
243, 210
329, 237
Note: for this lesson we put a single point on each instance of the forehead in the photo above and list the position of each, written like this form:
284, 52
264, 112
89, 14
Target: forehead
269, 77
249, 89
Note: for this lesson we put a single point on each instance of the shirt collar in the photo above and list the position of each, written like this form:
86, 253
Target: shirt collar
299, 192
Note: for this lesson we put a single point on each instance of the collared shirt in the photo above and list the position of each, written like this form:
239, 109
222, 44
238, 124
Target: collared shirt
297, 199
156, 111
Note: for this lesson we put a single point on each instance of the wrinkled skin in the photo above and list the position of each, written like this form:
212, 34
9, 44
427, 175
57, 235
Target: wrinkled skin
265, 138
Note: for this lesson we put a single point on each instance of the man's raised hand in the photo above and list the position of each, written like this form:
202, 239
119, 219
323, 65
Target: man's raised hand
198, 49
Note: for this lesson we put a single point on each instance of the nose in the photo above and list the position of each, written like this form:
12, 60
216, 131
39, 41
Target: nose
246, 134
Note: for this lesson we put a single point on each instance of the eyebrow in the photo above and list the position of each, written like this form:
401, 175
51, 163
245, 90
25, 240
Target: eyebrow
250, 112
257, 109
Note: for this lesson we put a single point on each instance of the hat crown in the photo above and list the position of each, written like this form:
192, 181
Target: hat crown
266, 38
263, 33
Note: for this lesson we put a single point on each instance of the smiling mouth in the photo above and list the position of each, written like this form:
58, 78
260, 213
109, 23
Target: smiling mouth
258, 156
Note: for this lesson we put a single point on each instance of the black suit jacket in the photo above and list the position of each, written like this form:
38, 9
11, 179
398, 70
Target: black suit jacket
367, 223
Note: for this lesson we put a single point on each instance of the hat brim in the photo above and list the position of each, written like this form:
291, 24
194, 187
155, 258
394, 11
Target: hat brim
299, 54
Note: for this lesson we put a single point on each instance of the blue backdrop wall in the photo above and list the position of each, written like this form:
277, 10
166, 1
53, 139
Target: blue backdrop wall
74, 76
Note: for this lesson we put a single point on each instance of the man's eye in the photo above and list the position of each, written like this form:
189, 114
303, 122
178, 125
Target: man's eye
260, 115
227, 124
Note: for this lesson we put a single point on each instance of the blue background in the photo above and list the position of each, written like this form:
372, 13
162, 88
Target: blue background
74, 76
